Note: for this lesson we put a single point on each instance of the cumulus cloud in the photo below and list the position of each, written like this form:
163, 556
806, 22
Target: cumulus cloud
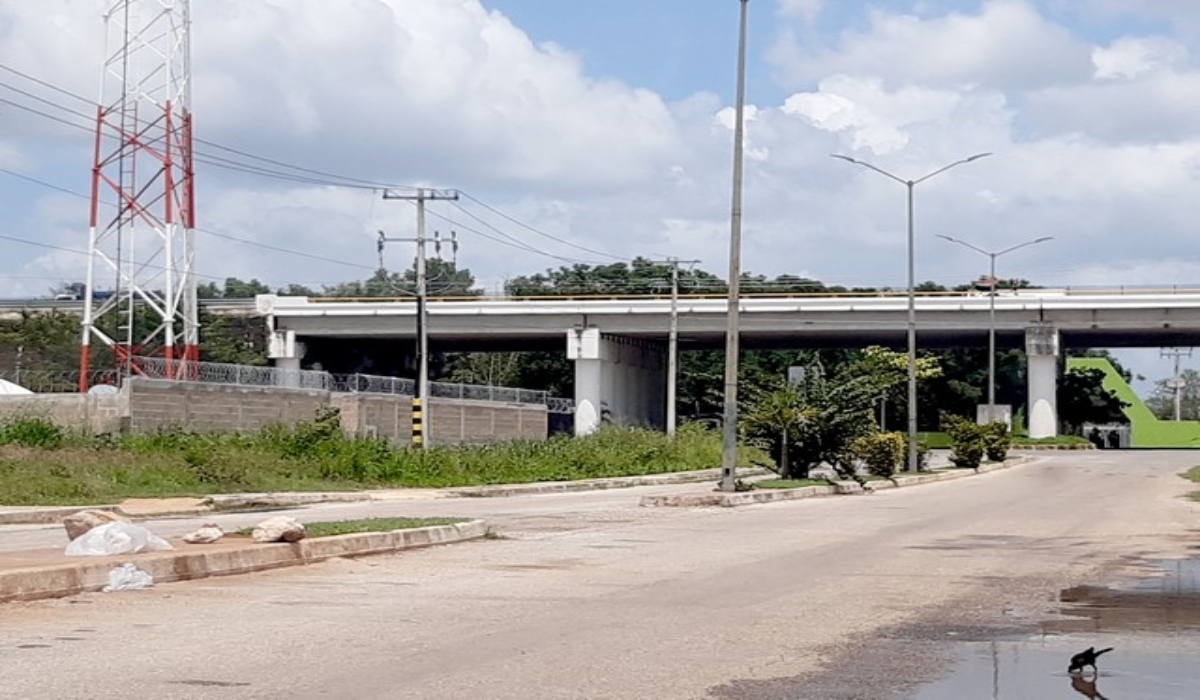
1130, 57
426, 86
1093, 143
1007, 44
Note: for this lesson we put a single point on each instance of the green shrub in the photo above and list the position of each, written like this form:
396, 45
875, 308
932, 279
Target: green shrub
29, 431
996, 441
883, 453
966, 440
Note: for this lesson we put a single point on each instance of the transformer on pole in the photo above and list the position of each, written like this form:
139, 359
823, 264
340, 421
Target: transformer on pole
140, 298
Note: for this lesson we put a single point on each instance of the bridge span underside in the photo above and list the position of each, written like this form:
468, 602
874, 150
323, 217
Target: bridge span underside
618, 345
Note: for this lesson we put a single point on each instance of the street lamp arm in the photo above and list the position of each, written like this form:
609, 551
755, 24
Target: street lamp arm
1043, 239
968, 245
955, 164
865, 164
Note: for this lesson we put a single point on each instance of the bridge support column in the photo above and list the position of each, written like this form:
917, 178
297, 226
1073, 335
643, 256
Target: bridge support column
617, 380
1041, 356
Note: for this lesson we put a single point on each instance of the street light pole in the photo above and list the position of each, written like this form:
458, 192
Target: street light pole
729, 428
991, 392
913, 457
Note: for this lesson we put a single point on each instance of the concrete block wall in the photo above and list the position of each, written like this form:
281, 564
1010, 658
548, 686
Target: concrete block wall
94, 413
145, 405
454, 421
373, 415
160, 403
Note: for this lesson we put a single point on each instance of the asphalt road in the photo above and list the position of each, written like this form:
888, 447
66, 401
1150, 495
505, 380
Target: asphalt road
589, 596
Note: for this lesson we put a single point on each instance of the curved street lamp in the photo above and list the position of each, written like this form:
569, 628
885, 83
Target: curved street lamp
913, 459
991, 392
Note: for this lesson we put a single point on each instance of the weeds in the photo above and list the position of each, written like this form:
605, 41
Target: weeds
316, 456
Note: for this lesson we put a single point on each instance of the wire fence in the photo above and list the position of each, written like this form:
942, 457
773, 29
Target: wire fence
50, 381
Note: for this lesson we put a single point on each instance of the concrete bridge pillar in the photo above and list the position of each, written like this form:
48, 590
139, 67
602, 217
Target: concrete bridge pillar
1041, 356
617, 380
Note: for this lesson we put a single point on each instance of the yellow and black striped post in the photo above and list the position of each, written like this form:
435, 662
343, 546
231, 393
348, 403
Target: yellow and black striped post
418, 423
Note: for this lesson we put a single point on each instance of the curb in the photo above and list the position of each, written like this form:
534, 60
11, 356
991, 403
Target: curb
51, 515
293, 499
616, 482
729, 500
76, 577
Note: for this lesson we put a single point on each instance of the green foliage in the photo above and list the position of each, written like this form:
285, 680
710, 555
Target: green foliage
1082, 398
883, 453
1059, 440
996, 441
773, 416
317, 456
1162, 401
442, 278
824, 416
31, 432
349, 527
789, 483
966, 440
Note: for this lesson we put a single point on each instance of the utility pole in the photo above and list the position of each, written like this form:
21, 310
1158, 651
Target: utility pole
729, 437
1176, 378
673, 343
420, 410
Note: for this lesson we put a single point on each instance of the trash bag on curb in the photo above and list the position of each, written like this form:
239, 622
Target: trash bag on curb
127, 577
116, 538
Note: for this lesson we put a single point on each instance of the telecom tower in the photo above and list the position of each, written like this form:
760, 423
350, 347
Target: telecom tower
141, 289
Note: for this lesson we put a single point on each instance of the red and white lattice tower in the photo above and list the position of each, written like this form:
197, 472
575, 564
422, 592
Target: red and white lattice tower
141, 288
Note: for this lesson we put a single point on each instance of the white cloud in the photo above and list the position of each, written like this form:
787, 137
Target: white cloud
427, 86
1007, 44
806, 10
1131, 57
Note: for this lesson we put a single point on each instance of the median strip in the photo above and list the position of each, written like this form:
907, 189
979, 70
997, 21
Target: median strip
45, 575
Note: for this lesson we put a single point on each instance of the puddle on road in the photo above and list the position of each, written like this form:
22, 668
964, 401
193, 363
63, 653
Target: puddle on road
1152, 623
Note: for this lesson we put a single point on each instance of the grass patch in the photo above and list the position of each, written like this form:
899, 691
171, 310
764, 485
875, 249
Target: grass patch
789, 483
1060, 440
41, 467
349, 527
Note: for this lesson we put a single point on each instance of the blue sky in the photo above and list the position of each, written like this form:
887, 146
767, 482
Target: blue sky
601, 130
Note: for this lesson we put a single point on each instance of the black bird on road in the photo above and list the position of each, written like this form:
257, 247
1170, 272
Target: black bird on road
1087, 657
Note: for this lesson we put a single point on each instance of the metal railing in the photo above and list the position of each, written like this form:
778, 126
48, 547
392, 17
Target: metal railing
556, 404
474, 392
47, 381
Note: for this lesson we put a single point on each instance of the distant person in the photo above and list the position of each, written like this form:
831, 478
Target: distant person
1114, 440
1095, 438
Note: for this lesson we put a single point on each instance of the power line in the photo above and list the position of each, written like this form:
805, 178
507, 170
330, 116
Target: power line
321, 177
540, 232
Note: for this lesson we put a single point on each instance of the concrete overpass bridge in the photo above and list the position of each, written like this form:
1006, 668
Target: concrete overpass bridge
618, 345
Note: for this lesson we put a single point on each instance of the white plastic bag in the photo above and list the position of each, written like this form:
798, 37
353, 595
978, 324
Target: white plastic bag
127, 577
116, 538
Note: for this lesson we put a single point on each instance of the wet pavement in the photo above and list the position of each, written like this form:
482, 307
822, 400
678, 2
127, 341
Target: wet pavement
1152, 622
